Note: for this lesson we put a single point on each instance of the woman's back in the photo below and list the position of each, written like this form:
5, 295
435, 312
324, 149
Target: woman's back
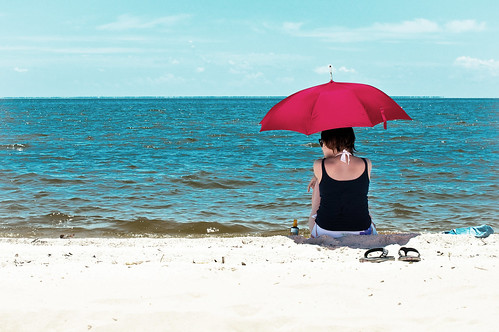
341, 171
343, 192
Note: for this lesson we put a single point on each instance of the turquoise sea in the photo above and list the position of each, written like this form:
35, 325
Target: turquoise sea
200, 166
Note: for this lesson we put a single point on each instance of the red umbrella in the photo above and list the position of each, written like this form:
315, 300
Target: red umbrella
332, 105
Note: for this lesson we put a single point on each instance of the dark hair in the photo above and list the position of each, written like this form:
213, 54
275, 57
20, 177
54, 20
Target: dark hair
339, 139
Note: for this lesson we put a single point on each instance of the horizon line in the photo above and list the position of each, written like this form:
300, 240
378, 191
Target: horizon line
221, 96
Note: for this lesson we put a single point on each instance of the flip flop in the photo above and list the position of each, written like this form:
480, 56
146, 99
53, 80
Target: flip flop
383, 257
409, 258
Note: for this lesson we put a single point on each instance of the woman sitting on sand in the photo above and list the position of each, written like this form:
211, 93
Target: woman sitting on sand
340, 186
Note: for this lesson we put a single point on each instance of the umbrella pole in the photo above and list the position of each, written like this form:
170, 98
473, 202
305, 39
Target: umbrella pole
383, 117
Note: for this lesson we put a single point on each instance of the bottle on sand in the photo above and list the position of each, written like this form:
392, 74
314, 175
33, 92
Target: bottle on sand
295, 229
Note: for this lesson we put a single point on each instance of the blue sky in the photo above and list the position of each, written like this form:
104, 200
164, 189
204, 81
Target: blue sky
247, 48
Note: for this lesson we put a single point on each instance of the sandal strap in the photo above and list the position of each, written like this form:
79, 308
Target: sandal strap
383, 251
406, 250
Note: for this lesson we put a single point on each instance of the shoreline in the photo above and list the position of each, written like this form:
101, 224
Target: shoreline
90, 234
247, 283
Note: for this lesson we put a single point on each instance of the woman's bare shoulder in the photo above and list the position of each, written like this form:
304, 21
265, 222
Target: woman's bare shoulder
317, 166
366, 159
317, 163
369, 166
368, 162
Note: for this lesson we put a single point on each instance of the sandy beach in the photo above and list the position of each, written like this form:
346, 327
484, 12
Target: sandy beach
248, 284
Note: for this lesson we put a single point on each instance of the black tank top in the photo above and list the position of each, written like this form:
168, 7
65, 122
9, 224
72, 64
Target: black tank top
344, 205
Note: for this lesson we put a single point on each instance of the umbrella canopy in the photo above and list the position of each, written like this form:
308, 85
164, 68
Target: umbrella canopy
333, 105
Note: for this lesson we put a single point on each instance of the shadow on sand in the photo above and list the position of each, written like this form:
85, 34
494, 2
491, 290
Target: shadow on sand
357, 241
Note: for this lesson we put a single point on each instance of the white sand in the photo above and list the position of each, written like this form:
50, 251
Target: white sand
248, 284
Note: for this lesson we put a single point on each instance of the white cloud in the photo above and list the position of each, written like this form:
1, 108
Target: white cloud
96, 50
490, 66
285, 80
200, 69
416, 28
254, 76
165, 78
322, 70
464, 26
128, 22
292, 26
78, 50
240, 65
346, 70
20, 70
325, 70
242, 61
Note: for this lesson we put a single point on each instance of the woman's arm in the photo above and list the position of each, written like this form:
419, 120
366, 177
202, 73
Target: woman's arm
311, 184
316, 195
369, 167
316, 201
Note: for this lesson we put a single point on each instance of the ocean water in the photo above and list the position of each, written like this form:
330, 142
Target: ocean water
200, 166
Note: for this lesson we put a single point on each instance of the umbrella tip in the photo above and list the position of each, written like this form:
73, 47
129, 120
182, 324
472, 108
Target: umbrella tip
331, 72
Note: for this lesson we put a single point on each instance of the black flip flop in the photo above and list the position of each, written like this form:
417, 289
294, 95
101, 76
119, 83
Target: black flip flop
409, 258
383, 257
